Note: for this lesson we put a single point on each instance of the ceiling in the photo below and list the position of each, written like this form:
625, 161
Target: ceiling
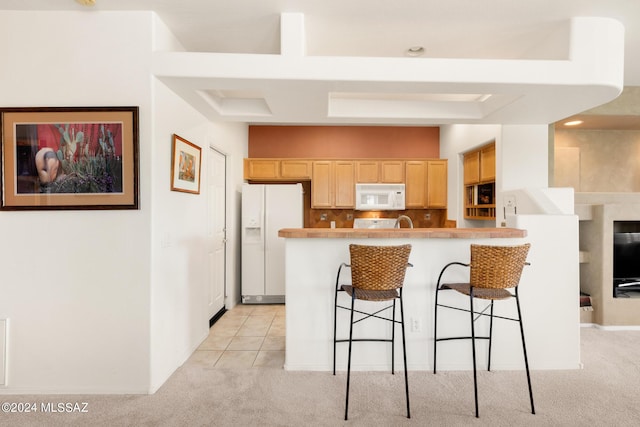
344, 44
600, 122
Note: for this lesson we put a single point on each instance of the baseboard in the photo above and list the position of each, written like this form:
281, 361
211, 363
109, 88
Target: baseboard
617, 327
263, 299
611, 327
366, 368
217, 316
71, 390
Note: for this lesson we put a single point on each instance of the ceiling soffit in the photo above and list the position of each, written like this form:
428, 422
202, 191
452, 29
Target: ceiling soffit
292, 87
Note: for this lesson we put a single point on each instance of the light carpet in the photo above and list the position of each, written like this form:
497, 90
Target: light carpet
604, 393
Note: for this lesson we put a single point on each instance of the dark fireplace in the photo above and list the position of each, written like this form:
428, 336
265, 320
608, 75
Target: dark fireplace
626, 259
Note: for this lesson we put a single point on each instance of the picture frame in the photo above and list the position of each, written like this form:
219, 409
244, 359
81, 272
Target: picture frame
486, 194
56, 158
186, 165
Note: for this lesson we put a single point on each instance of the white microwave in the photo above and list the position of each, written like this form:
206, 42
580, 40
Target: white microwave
379, 197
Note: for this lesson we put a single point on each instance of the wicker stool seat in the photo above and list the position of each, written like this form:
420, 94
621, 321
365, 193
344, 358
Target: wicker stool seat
371, 295
493, 271
377, 275
482, 293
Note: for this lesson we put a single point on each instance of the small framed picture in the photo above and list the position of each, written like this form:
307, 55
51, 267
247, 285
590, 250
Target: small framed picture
485, 194
185, 166
69, 158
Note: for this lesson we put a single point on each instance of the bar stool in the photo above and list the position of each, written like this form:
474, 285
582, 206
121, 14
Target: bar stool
377, 274
493, 270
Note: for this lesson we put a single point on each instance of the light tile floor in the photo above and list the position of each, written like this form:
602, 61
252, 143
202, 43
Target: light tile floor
247, 336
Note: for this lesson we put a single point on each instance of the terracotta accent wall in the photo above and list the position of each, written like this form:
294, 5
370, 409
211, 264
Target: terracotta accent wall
344, 142
348, 142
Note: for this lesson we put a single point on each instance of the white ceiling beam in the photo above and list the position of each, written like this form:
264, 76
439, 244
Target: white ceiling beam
537, 91
293, 40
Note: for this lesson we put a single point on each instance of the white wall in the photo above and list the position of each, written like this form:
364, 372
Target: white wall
179, 320
549, 291
75, 284
523, 157
96, 303
455, 140
521, 161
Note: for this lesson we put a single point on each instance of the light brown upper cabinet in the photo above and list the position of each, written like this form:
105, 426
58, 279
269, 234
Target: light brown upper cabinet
472, 167
261, 169
426, 184
277, 169
416, 184
333, 184
488, 163
345, 186
380, 171
333, 181
479, 183
392, 171
367, 171
295, 169
322, 185
437, 184
480, 165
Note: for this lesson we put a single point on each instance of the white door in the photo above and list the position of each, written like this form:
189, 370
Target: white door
216, 233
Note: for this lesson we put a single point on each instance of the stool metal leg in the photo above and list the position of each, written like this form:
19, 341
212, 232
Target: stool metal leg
335, 313
473, 351
393, 337
435, 330
524, 349
346, 404
490, 335
404, 354
335, 328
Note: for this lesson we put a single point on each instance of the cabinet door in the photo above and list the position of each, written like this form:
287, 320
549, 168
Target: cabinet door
322, 184
367, 171
392, 171
437, 184
345, 186
415, 184
472, 167
488, 163
295, 169
261, 168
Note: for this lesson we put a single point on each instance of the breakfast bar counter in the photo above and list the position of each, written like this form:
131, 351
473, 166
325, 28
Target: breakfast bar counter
401, 233
312, 258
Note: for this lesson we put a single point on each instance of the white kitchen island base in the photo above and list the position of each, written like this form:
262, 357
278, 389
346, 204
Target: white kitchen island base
551, 323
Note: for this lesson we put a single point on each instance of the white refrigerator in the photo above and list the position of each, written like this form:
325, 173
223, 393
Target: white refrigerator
267, 208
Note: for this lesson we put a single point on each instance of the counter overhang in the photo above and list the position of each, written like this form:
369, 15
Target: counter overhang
402, 233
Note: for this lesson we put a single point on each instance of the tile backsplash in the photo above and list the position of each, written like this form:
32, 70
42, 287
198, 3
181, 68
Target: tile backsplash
422, 218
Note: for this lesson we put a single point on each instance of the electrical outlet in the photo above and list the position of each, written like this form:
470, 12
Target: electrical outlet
349, 217
323, 217
416, 324
510, 202
427, 216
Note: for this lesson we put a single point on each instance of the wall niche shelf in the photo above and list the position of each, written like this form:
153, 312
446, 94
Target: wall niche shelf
479, 183
480, 202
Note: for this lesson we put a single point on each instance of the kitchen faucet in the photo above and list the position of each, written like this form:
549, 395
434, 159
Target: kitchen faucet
405, 218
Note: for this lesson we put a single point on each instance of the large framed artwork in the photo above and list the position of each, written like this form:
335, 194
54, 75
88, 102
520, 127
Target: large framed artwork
69, 158
186, 161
